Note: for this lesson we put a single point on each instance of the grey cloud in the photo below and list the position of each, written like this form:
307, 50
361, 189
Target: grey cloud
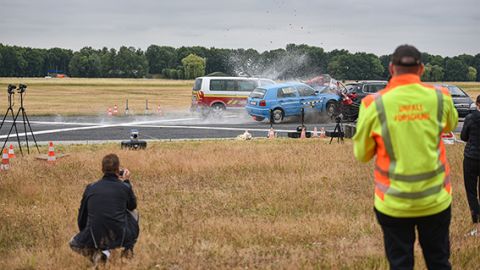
441, 27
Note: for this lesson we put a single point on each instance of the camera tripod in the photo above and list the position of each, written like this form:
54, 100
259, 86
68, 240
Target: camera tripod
11, 92
21, 90
338, 130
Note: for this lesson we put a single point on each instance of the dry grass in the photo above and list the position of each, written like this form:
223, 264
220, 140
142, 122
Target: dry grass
72, 96
284, 204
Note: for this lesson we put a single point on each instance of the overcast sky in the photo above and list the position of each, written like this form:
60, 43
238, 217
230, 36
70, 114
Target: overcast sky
445, 27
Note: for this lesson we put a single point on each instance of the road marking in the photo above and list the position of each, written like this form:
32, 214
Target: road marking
129, 124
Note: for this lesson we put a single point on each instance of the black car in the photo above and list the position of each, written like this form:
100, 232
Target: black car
462, 101
356, 92
364, 88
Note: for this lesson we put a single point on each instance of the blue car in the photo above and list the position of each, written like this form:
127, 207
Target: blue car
287, 99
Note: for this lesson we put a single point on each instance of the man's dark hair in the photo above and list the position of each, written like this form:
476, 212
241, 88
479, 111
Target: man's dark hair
110, 164
478, 99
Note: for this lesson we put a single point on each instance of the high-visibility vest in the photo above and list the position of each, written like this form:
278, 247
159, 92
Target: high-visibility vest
402, 125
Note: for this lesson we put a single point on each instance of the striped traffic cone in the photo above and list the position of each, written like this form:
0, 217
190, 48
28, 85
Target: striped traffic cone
303, 134
11, 152
109, 112
271, 134
159, 110
5, 166
315, 132
115, 110
322, 133
51, 153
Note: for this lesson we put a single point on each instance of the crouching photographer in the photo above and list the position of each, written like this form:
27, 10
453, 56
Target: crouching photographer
107, 218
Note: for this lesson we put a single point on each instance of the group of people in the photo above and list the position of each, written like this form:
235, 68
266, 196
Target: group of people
400, 125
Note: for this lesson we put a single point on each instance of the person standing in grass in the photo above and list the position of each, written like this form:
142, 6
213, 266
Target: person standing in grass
471, 165
402, 125
107, 218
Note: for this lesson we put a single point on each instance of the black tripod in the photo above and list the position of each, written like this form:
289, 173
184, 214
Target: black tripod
338, 130
21, 90
11, 91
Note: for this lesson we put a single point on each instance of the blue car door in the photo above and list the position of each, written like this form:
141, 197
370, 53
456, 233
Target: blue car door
308, 95
288, 99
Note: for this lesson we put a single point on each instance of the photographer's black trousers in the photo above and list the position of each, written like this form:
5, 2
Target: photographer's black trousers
399, 239
471, 173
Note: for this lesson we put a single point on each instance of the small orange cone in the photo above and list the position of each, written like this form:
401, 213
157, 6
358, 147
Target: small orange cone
315, 132
303, 135
11, 152
5, 166
322, 133
109, 112
115, 109
51, 153
271, 133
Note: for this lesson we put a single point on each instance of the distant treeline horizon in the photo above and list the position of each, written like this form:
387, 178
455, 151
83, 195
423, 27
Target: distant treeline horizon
294, 61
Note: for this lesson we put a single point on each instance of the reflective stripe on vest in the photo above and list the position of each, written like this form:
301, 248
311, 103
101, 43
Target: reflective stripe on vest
411, 178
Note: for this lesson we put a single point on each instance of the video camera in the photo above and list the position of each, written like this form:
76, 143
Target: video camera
11, 89
22, 88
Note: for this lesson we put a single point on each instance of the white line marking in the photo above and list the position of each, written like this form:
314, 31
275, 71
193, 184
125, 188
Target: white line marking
130, 124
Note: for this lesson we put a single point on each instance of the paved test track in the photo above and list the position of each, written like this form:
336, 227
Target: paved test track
92, 129
184, 126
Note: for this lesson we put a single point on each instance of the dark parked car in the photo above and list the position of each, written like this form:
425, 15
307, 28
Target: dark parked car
462, 101
364, 88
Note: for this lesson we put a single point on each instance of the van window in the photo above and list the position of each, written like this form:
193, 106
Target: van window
266, 82
198, 85
286, 92
246, 85
222, 85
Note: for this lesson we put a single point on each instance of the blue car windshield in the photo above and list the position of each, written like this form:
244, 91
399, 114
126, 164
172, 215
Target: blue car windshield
258, 93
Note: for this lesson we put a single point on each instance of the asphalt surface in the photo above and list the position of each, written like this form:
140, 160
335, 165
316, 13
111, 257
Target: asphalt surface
152, 127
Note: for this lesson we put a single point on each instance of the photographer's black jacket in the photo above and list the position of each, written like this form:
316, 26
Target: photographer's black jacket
103, 219
471, 135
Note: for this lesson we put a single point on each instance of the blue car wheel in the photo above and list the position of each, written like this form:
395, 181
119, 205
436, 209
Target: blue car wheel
277, 116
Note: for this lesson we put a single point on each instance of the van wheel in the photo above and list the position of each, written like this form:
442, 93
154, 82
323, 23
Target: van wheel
218, 109
277, 116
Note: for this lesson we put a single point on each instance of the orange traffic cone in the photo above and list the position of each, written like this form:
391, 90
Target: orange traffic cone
51, 153
322, 133
11, 152
5, 166
303, 135
315, 132
271, 133
109, 112
115, 109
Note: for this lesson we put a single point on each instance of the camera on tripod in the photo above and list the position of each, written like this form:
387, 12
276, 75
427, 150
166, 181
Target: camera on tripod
15, 117
11, 89
22, 88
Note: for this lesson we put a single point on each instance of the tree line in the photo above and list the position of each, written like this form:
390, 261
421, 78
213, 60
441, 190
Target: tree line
293, 61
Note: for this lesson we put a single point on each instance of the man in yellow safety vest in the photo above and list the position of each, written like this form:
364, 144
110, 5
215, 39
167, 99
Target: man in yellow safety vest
402, 125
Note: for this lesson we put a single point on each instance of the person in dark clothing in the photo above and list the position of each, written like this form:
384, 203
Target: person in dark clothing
107, 218
471, 165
